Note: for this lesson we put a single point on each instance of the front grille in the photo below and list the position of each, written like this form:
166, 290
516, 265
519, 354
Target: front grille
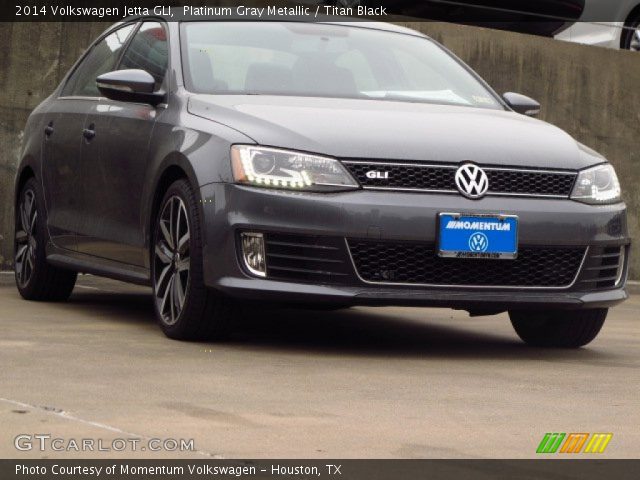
530, 183
307, 258
402, 176
418, 263
441, 178
602, 268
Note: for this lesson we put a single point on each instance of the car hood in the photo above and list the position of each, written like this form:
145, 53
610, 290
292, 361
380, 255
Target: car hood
373, 129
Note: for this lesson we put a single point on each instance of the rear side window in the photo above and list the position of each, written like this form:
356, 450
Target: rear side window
148, 51
101, 59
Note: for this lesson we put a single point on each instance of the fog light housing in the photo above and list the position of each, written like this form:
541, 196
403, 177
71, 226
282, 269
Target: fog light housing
253, 253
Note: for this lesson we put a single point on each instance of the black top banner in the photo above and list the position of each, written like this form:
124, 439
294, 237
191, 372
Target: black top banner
494, 12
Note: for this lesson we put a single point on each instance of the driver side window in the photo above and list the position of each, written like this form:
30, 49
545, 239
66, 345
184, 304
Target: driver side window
101, 59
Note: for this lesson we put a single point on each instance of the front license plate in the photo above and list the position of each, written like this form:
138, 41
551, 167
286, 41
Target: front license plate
478, 236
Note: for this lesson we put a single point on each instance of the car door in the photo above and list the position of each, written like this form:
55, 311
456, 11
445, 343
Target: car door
65, 121
114, 158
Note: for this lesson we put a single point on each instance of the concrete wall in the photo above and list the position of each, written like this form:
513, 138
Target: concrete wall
590, 92
33, 60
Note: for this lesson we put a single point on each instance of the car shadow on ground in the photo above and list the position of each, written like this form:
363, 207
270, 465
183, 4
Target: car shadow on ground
384, 332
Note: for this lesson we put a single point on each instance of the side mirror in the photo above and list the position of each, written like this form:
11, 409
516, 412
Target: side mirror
522, 104
130, 86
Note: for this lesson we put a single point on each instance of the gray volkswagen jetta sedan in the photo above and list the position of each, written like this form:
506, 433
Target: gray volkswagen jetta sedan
327, 165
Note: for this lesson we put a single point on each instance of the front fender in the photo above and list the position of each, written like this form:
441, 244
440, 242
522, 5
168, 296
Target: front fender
200, 150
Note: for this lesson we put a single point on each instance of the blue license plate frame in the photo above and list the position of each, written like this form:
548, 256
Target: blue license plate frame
478, 236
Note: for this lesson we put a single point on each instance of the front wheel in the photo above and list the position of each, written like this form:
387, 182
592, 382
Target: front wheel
558, 328
631, 35
185, 308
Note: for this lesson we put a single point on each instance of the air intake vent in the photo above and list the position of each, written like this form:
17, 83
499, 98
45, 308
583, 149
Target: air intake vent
418, 264
603, 268
307, 258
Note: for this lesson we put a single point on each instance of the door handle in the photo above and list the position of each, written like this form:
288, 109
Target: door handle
89, 133
48, 130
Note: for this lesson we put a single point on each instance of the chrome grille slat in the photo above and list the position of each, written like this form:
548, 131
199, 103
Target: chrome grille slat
308, 271
604, 267
601, 279
303, 258
302, 245
607, 255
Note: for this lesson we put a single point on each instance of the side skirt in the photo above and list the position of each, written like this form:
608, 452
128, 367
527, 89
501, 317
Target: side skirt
83, 263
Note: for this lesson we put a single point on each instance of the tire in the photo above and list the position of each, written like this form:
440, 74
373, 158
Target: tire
631, 35
185, 308
35, 278
558, 328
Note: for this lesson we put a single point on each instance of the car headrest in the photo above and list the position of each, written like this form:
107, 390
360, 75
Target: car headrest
202, 75
318, 75
268, 78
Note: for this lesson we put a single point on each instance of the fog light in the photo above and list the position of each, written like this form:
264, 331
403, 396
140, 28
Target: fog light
253, 253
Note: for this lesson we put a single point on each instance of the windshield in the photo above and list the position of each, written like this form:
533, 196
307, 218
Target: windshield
320, 60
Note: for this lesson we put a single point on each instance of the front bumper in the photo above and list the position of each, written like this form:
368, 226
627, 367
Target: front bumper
394, 216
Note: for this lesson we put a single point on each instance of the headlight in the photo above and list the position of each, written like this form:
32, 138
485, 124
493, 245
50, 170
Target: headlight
597, 186
271, 167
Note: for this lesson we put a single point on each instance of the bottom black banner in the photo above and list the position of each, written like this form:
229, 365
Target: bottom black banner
308, 469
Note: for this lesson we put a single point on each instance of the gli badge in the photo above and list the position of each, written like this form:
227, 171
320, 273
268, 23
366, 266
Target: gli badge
377, 175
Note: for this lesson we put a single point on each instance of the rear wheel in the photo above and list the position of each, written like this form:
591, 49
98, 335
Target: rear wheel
558, 328
185, 308
35, 278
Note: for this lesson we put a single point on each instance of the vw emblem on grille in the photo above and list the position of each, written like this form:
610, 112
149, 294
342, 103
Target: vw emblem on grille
478, 242
472, 181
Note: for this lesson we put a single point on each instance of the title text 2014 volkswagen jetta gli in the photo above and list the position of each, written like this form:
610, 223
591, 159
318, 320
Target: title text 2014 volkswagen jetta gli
329, 164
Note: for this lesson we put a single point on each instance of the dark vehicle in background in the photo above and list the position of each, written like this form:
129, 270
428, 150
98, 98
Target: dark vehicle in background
538, 17
322, 164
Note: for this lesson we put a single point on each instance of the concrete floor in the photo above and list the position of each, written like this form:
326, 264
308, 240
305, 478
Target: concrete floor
385, 383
